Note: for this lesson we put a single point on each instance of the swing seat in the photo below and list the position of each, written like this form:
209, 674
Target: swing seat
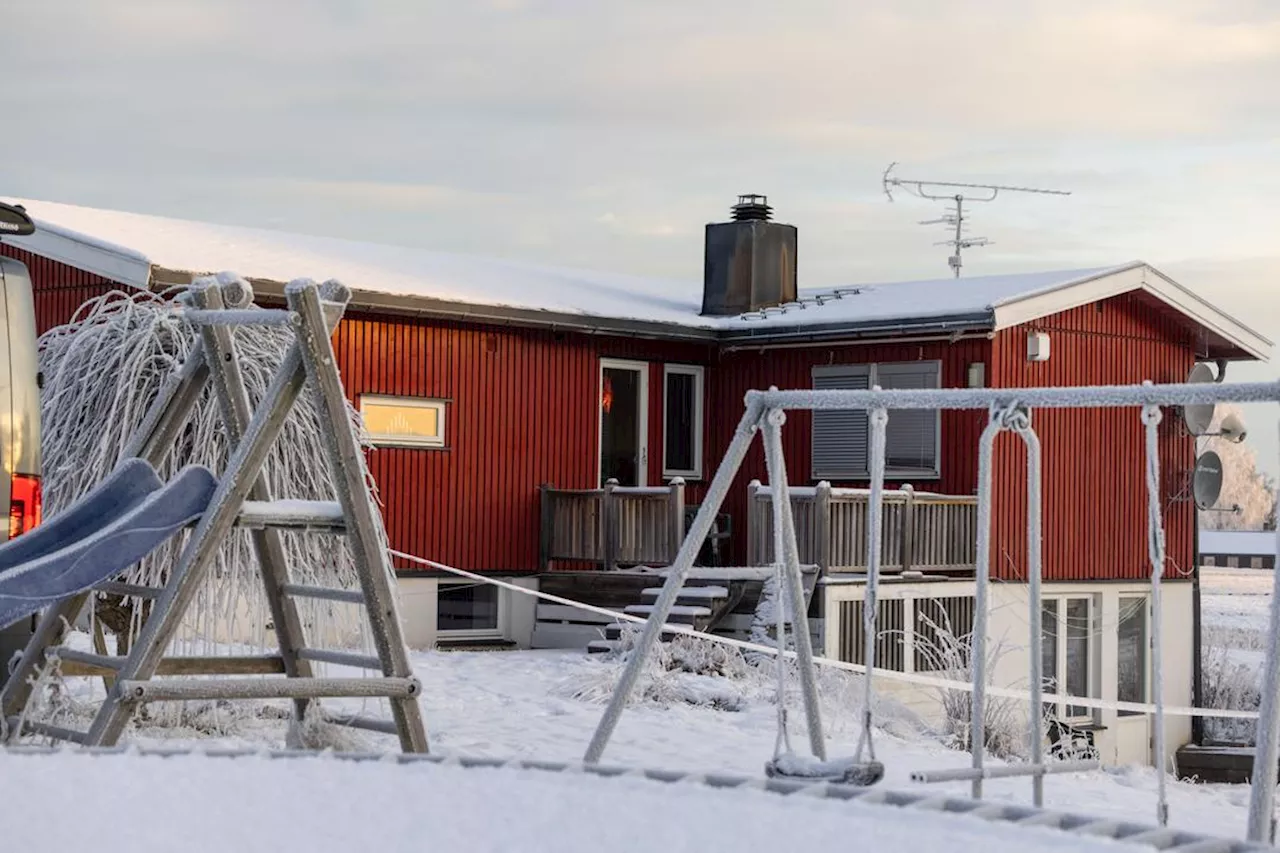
841, 771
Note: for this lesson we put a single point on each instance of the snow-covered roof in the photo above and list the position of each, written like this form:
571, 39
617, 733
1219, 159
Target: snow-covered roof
125, 247
1239, 542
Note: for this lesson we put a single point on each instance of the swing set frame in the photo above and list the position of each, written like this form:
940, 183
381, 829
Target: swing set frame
1008, 409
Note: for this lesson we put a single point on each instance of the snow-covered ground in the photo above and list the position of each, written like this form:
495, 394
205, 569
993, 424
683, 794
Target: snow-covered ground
545, 704
214, 805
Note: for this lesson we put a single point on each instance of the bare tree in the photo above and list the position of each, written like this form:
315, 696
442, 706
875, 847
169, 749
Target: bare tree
1242, 483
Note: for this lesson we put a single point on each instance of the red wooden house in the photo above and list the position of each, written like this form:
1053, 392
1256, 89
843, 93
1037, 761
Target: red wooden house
502, 397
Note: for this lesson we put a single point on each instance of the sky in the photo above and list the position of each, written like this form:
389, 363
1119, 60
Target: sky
606, 134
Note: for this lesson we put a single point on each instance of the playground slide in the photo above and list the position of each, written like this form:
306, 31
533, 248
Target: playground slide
123, 489
112, 527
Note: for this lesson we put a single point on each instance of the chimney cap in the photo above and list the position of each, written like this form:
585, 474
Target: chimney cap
752, 206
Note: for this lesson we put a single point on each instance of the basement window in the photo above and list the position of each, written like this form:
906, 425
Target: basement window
468, 609
841, 438
682, 408
1067, 652
403, 421
1131, 657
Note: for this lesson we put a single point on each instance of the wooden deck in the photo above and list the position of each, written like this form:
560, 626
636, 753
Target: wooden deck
616, 527
920, 531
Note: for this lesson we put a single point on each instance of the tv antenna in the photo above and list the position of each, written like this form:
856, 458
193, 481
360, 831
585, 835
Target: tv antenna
955, 217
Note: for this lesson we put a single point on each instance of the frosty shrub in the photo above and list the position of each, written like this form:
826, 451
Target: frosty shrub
950, 657
1228, 683
687, 670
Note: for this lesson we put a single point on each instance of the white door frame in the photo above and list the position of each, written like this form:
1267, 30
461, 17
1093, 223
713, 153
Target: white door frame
642, 414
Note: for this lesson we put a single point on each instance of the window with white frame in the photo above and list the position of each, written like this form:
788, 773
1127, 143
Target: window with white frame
468, 609
841, 438
1131, 657
682, 413
403, 421
1067, 650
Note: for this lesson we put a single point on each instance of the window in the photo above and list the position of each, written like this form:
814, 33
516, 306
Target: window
682, 408
467, 609
1131, 670
1067, 651
841, 438
403, 421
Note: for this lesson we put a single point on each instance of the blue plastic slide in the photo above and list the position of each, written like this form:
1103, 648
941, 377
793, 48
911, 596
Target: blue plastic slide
111, 527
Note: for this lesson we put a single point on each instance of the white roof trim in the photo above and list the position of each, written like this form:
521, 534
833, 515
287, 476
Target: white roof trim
1017, 310
75, 250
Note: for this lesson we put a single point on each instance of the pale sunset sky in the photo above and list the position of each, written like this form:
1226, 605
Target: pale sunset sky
605, 134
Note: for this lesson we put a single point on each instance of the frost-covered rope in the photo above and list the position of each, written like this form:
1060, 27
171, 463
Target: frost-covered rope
870, 603
782, 738
982, 575
856, 668
1151, 417
1020, 422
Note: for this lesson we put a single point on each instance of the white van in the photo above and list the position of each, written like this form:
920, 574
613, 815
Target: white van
19, 411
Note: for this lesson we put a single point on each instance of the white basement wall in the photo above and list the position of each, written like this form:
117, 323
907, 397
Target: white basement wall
1122, 739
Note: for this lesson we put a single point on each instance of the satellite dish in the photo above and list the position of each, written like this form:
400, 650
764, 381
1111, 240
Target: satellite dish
1199, 417
14, 221
1206, 481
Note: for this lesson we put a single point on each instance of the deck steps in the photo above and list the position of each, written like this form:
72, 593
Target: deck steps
729, 594
690, 593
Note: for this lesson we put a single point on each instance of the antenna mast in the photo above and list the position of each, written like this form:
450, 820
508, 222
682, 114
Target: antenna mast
954, 217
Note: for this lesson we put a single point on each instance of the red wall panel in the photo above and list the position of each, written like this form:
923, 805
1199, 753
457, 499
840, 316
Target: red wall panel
523, 410
741, 371
1095, 497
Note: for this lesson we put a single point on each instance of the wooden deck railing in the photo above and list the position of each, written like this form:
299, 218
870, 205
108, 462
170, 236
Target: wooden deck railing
921, 530
614, 526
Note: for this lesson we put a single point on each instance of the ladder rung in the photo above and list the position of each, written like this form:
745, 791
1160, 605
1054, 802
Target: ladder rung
351, 596
268, 688
211, 665
238, 316
340, 658
40, 728
368, 724
109, 663
128, 589
326, 515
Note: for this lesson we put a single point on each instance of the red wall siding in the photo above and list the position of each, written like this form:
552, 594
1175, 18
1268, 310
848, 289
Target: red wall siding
59, 289
523, 410
1094, 459
739, 372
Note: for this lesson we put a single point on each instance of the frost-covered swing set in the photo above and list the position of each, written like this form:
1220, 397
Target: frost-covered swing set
1008, 409
87, 547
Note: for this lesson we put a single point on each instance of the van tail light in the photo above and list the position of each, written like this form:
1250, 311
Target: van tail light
24, 504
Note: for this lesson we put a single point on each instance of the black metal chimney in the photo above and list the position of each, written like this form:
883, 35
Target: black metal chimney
750, 262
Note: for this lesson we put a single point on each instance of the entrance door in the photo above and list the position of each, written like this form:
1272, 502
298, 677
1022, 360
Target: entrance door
624, 416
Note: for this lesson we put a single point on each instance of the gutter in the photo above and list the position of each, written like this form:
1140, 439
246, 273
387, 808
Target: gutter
939, 329
499, 315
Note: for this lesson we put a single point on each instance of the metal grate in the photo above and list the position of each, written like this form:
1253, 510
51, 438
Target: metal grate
890, 634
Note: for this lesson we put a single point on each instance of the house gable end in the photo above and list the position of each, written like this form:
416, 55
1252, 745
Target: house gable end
1223, 335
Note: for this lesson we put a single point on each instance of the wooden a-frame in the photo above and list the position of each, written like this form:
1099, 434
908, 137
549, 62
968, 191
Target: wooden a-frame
243, 497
